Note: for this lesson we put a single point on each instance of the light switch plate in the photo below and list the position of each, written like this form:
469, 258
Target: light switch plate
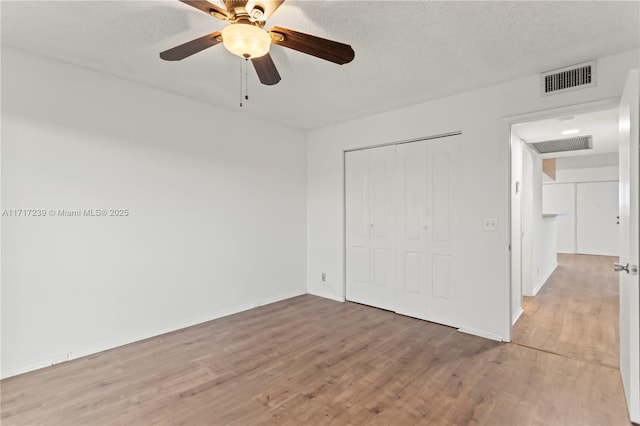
491, 224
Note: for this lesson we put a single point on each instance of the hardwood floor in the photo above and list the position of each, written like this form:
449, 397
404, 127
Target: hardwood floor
311, 361
576, 313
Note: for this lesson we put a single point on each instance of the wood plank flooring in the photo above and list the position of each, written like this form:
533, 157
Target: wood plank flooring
576, 313
311, 361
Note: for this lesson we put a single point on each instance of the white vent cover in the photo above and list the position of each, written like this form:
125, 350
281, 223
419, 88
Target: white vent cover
568, 78
562, 145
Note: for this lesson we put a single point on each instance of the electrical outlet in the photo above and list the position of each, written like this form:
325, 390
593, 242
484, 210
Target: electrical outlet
491, 224
324, 277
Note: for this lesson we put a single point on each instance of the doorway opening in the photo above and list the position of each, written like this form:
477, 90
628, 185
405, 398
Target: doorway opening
564, 235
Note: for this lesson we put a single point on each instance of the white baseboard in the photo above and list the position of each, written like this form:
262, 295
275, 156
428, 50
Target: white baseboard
543, 281
280, 297
481, 333
325, 295
75, 353
517, 315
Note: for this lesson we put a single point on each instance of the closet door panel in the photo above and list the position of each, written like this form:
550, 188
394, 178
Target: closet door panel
411, 184
413, 276
381, 170
441, 296
441, 267
358, 256
370, 226
359, 267
440, 204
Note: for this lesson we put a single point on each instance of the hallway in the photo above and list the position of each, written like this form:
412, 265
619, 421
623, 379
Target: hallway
576, 313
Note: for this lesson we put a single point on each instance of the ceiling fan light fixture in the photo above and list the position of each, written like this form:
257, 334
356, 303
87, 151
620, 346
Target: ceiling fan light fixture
246, 40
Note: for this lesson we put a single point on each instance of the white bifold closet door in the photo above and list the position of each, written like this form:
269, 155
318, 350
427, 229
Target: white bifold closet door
417, 205
369, 237
424, 241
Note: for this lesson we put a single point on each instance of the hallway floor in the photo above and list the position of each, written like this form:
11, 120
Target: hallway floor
576, 313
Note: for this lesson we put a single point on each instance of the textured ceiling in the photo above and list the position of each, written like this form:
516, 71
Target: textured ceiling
406, 52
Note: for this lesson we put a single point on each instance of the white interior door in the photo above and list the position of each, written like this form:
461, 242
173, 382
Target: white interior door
411, 285
597, 217
369, 227
629, 231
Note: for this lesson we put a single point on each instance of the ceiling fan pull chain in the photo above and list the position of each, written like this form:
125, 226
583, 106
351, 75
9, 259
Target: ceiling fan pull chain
246, 79
241, 64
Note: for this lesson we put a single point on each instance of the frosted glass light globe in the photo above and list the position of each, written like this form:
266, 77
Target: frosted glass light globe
246, 40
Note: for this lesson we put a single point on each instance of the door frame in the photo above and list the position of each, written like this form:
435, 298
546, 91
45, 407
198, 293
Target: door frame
508, 122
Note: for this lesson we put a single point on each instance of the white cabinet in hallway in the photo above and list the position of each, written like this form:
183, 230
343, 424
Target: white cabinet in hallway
399, 245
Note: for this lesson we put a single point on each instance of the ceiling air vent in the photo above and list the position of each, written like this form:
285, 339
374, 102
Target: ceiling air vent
569, 78
562, 145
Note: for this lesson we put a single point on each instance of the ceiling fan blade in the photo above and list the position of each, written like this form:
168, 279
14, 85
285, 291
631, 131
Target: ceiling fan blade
191, 47
208, 8
266, 70
322, 48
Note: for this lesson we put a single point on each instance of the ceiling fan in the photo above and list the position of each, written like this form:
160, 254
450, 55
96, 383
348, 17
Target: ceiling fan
246, 37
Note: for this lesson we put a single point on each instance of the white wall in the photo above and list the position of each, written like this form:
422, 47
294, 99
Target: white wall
216, 201
591, 174
546, 251
540, 233
481, 115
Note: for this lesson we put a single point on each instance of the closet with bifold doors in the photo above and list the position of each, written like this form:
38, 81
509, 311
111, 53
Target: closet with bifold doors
399, 214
